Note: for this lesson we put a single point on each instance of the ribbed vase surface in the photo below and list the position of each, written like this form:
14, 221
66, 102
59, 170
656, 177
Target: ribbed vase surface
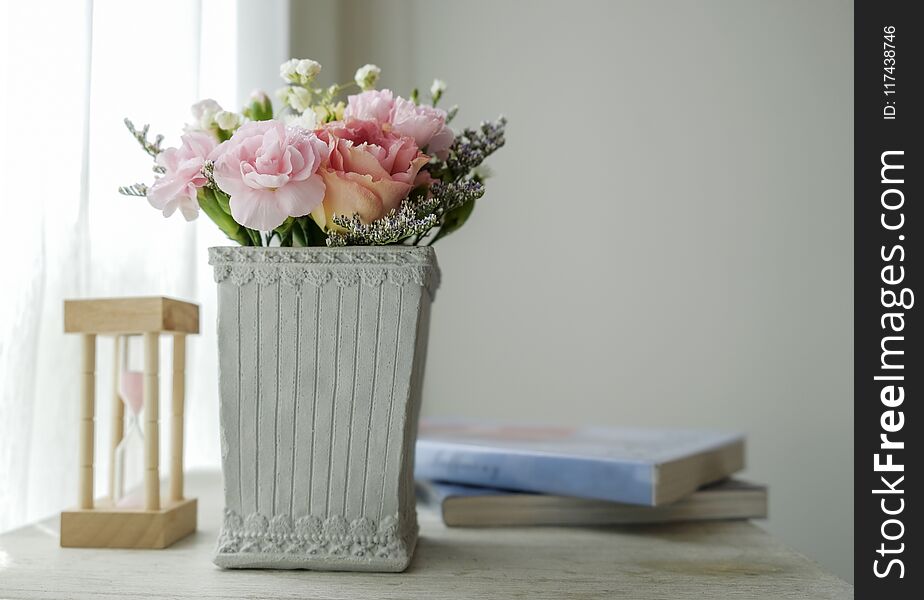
321, 357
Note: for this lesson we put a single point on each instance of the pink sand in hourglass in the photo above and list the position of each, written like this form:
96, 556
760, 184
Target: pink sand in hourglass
131, 389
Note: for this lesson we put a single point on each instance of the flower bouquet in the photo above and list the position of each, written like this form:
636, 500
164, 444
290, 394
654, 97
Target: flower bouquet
323, 309
377, 169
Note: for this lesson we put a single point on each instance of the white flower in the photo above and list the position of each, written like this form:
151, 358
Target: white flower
227, 120
306, 120
299, 71
367, 76
299, 98
204, 113
308, 68
437, 88
296, 97
287, 70
205, 107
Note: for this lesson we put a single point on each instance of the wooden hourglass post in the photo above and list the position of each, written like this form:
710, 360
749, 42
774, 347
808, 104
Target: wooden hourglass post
87, 415
118, 412
176, 424
151, 422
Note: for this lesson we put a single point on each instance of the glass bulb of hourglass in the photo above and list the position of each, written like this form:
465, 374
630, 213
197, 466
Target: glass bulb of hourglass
129, 454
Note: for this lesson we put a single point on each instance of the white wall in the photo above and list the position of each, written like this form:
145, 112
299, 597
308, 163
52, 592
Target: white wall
668, 239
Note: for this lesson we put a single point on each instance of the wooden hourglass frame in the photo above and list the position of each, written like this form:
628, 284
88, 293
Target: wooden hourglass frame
98, 523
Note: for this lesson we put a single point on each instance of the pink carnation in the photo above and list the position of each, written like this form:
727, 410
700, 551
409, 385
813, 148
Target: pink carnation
372, 105
439, 144
369, 172
180, 183
270, 172
426, 124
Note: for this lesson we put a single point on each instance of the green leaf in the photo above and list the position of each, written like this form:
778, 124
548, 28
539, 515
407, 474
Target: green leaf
231, 228
283, 229
298, 236
284, 232
454, 219
224, 201
314, 235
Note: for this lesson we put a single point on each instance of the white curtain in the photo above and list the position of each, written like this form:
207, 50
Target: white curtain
72, 71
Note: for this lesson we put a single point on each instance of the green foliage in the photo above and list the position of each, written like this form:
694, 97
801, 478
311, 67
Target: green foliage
300, 232
314, 235
213, 201
454, 219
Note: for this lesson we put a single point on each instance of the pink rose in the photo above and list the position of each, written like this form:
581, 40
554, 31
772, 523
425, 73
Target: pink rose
270, 172
183, 177
373, 105
426, 124
369, 171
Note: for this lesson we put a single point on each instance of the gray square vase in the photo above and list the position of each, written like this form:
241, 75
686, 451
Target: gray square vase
321, 357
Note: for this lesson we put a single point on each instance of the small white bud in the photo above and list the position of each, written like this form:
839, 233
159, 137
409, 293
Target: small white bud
308, 68
227, 120
367, 76
437, 88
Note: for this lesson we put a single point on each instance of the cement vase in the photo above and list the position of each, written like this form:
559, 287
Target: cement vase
321, 358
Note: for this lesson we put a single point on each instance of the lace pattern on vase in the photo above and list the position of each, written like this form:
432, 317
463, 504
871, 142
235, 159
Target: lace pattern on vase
311, 536
296, 267
373, 255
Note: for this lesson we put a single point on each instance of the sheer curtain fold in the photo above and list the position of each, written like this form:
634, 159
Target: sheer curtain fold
72, 71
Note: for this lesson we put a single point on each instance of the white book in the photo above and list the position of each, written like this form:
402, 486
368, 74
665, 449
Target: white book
470, 506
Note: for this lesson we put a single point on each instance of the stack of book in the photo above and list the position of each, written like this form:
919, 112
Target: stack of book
479, 474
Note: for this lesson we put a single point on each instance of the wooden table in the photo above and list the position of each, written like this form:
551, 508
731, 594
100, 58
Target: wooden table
704, 560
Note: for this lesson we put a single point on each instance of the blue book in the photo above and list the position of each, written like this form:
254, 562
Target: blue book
648, 467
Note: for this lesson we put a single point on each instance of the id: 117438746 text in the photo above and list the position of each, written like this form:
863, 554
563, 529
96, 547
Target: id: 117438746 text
888, 72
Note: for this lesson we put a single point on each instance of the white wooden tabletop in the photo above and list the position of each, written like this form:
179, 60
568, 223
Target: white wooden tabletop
703, 560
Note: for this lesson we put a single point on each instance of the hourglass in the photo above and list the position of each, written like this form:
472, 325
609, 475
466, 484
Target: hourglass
134, 515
